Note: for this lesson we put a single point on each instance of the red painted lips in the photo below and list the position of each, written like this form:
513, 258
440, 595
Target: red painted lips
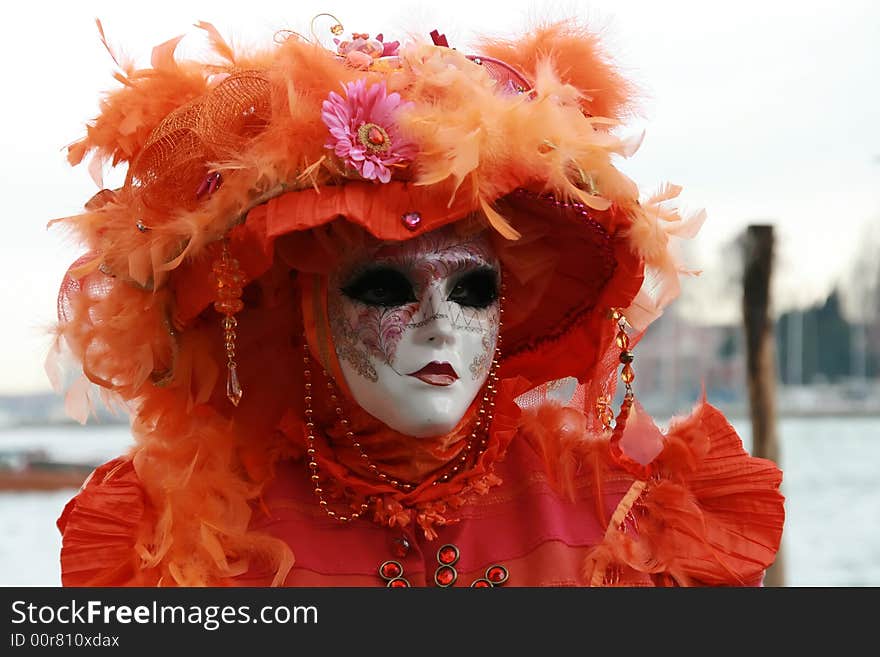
437, 374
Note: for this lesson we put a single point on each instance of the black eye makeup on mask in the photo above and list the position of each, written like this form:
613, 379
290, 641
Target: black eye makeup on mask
477, 288
380, 286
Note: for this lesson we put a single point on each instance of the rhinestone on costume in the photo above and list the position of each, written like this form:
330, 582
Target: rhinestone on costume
400, 546
445, 576
374, 138
448, 555
497, 574
234, 391
390, 570
398, 583
411, 220
481, 583
212, 182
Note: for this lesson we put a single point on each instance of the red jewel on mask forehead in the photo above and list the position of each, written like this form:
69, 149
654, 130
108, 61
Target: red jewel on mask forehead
411, 220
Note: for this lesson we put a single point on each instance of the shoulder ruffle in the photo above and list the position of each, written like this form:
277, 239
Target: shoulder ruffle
702, 512
100, 528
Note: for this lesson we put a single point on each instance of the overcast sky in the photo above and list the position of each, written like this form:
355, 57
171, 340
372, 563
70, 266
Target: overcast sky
764, 111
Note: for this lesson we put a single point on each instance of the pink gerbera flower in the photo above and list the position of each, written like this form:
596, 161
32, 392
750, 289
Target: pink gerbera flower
363, 129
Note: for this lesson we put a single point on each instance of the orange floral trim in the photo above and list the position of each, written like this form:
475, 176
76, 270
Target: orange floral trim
387, 510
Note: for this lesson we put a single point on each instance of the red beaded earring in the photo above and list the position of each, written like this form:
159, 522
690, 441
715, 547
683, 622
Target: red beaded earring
229, 280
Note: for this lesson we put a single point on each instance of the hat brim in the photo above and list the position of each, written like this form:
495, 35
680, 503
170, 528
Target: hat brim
570, 265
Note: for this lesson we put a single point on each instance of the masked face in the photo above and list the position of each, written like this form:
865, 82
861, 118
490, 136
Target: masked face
415, 326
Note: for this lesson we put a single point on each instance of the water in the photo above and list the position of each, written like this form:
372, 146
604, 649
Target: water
29, 541
831, 465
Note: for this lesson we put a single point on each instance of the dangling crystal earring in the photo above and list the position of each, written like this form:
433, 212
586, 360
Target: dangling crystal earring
229, 278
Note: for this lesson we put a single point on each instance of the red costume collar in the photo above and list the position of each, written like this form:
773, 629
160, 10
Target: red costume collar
348, 482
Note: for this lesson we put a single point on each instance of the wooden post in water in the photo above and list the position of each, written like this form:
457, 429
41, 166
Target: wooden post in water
760, 356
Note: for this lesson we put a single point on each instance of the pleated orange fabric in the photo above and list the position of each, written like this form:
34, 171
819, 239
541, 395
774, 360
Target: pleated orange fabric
100, 528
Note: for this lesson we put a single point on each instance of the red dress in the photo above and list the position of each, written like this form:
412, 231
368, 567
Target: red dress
565, 513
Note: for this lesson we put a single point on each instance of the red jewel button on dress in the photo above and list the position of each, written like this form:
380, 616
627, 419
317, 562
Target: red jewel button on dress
497, 574
390, 570
448, 555
445, 576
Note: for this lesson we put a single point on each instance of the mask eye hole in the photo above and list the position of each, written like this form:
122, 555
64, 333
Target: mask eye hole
382, 287
476, 289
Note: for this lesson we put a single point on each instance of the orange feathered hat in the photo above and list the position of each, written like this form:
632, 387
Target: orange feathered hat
291, 154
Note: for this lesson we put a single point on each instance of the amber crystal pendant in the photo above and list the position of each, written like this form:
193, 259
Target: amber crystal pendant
229, 279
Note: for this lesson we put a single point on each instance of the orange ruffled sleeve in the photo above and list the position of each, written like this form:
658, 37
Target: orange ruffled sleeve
100, 527
708, 514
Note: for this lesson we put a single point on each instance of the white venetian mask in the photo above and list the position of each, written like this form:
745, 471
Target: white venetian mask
414, 325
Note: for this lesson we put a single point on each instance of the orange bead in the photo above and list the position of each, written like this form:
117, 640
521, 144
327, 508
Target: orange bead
226, 279
628, 375
231, 292
228, 306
